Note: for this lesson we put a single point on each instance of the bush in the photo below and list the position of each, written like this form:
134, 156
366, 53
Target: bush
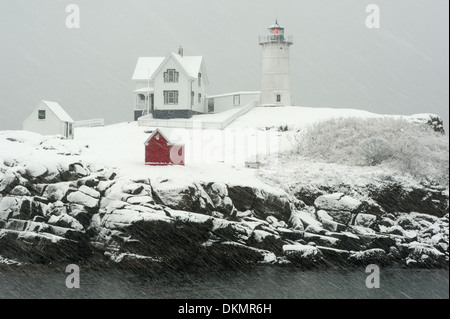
375, 150
411, 148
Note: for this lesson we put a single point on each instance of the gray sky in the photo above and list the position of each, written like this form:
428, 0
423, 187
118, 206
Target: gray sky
402, 68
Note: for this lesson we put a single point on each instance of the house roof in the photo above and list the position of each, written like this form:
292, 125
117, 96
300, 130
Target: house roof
146, 68
58, 111
145, 90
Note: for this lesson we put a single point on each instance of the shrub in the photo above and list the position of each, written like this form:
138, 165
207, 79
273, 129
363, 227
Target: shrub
411, 148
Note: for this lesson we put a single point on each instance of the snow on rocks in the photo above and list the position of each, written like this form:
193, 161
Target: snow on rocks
304, 255
337, 202
79, 197
371, 256
76, 209
365, 220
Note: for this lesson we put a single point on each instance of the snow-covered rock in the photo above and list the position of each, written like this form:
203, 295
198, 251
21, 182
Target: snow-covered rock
365, 220
20, 191
304, 255
83, 199
336, 202
371, 256
89, 191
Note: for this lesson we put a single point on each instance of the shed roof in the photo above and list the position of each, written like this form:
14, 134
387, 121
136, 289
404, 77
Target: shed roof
58, 111
160, 132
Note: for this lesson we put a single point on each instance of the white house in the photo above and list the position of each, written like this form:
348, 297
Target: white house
49, 118
170, 87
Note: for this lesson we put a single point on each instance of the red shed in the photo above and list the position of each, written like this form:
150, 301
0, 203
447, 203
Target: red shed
159, 150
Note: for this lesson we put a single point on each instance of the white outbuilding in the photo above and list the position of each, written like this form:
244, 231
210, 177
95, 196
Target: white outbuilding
49, 118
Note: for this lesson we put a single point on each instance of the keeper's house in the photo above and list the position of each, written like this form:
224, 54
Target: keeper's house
170, 87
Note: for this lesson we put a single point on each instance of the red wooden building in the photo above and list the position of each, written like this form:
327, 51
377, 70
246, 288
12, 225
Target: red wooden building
159, 150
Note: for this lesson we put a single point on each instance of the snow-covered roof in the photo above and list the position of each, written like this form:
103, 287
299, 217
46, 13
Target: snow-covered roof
191, 64
58, 111
145, 90
157, 130
147, 67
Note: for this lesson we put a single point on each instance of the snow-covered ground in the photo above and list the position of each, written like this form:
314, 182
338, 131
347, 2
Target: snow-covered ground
211, 155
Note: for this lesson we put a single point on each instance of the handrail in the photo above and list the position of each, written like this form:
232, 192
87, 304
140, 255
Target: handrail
90, 123
276, 38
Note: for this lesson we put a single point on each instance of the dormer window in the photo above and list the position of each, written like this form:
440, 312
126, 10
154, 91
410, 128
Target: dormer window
171, 76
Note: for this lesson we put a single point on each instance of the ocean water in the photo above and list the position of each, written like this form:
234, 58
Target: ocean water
250, 282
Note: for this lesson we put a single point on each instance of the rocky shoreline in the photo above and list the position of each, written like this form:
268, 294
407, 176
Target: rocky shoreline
78, 214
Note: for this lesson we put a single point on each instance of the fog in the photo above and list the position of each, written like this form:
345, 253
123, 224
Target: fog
336, 61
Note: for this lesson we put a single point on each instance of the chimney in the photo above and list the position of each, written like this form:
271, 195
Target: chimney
180, 51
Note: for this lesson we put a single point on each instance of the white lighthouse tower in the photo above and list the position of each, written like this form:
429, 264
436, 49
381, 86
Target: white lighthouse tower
275, 75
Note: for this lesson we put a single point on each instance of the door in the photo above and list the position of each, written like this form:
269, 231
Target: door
66, 129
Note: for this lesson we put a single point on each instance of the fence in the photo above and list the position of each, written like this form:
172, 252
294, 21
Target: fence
90, 123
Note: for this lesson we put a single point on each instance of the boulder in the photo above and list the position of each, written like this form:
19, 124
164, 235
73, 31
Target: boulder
79, 197
263, 202
305, 218
342, 217
65, 220
20, 191
230, 253
365, 220
321, 214
303, 255
264, 240
89, 191
295, 222
333, 226
321, 240
336, 202
371, 256
56, 192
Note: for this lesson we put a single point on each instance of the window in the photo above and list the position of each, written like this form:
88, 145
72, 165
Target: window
171, 76
237, 100
141, 98
211, 106
278, 97
192, 97
170, 97
199, 98
70, 129
41, 114
199, 80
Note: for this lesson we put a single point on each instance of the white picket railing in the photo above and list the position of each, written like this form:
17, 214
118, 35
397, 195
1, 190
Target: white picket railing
90, 123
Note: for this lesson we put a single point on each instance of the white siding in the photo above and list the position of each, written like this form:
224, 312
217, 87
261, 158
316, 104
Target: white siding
183, 88
275, 75
200, 106
225, 102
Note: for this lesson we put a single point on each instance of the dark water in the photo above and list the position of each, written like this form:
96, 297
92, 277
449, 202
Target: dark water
252, 282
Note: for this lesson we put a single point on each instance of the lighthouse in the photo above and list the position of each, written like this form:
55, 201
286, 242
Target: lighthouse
275, 74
